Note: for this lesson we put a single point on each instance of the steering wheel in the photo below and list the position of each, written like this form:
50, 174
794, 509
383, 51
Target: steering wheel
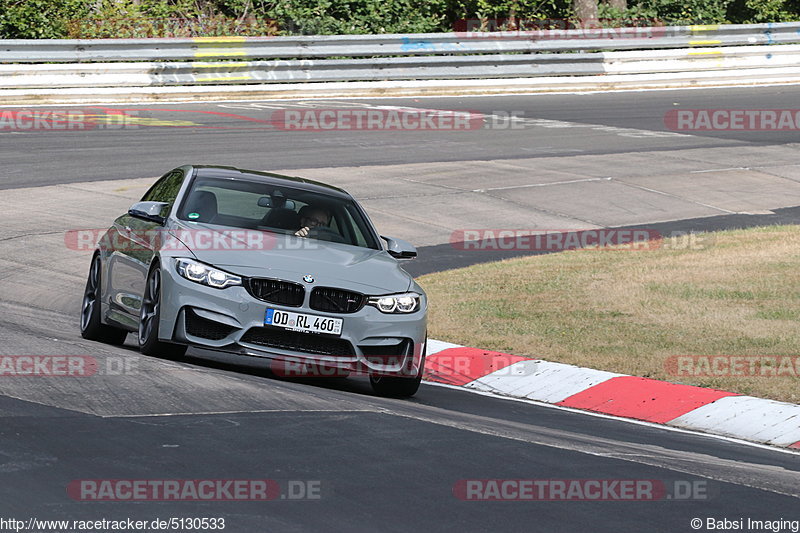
326, 234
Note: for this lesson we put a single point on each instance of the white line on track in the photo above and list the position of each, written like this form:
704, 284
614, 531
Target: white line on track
239, 412
541, 184
718, 170
670, 195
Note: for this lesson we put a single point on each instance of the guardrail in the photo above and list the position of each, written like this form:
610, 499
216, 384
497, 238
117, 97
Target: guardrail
486, 66
30, 64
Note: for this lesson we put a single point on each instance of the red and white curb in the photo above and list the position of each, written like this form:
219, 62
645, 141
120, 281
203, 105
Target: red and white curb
684, 406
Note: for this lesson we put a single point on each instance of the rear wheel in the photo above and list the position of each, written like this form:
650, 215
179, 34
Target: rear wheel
149, 317
91, 326
398, 387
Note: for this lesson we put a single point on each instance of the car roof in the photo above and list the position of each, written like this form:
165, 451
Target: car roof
218, 171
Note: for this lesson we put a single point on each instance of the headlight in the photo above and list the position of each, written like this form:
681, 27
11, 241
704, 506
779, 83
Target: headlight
206, 275
396, 303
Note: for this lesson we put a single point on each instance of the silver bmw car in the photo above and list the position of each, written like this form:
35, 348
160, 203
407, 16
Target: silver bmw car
259, 264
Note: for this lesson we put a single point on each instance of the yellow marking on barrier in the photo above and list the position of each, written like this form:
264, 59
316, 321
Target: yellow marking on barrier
231, 64
232, 39
706, 53
702, 43
225, 78
218, 47
704, 27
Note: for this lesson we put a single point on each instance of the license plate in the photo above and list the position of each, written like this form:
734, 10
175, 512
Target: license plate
303, 322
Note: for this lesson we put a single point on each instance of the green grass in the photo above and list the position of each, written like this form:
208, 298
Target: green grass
737, 293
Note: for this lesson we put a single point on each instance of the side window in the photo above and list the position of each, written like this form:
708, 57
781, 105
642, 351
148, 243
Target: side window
166, 189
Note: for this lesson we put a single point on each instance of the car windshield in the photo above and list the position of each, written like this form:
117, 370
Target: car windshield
250, 204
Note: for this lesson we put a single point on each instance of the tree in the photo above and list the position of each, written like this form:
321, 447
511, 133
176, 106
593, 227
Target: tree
585, 10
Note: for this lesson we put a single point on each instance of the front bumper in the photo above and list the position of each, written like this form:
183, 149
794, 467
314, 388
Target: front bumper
231, 320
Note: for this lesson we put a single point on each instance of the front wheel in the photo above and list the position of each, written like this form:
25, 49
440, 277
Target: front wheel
398, 387
394, 387
149, 317
91, 326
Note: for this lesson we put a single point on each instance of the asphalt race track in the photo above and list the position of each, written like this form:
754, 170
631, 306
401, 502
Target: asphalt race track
570, 162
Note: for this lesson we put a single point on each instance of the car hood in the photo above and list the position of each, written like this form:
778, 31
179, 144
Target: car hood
270, 255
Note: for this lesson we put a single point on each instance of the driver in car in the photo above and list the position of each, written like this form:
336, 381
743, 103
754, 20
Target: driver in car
310, 218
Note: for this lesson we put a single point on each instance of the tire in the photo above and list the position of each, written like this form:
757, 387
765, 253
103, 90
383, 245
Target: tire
149, 317
398, 387
91, 327
392, 387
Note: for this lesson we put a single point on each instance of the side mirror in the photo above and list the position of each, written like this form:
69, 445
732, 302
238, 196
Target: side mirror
399, 249
150, 211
